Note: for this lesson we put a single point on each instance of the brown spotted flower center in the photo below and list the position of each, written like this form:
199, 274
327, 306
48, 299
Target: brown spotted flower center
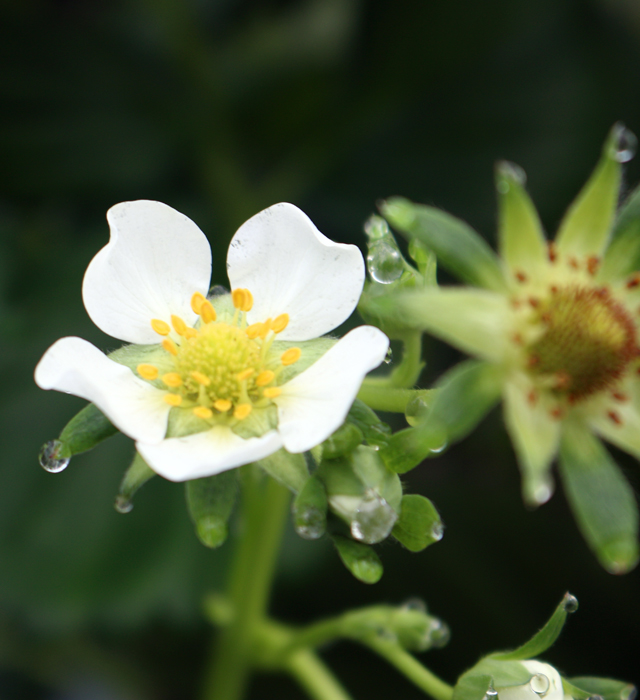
588, 341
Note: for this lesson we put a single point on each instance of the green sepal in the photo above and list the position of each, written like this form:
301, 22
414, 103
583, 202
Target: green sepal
425, 260
622, 257
586, 227
419, 524
601, 498
543, 639
584, 687
210, 502
83, 432
407, 448
309, 510
457, 246
489, 672
375, 431
345, 439
287, 469
360, 559
138, 473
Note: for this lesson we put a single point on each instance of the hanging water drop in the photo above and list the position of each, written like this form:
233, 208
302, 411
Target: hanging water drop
570, 603
50, 459
123, 504
625, 144
439, 448
376, 228
439, 633
374, 519
542, 493
388, 358
384, 261
437, 531
629, 692
490, 693
539, 683
509, 172
416, 604
415, 410
309, 523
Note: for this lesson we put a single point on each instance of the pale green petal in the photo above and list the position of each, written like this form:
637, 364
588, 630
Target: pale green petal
623, 254
626, 433
585, 229
475, 320
457, 246
521, 241
535, 436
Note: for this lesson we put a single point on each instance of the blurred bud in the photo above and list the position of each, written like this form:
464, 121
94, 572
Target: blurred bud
419, 524
310, 510
359, 558
210, 502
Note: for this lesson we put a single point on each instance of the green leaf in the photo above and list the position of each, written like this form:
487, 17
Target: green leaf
375, 431
419, 524
601, 498
543, 639
84, 431
310, 510
586, 226
623, 254
210, 502
136, 476
359, 558
584, 687
288, 469
345, 439
457, 246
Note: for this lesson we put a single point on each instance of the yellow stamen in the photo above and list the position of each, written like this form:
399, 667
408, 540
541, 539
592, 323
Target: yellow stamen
245, 374
207, 312
190, 333
201, 378
149, 372
170, 346
172, 379
254, 330
196, 302
202, 412
265, 377
290, 356
271, 392
178, 324
242, 299
160, 327
222, 405
280, 323
266, 327
242, 411
173, 399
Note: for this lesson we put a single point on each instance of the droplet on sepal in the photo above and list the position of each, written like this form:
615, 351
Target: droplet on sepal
376, 228
415, 410
542, 493
388, 358
491, 693
508, 171
49, 457
629, 692
624, 148
439, 633
374, 519
384, 261
416, 604
437, 531
439, 448
310, 523
123, 504
539, 684
570, 603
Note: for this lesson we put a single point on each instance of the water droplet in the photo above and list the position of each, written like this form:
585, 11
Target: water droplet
542, 493
629, 692
416, 604
595, 697
415, 410
570, 603
376, 228
217, 291
310, 523
123, 504
625, 144
385, 633
491, 693
384, 262
539, 684
388, 358
374, 519
440, 448
437, 531
50, 459
439, 633
509, 172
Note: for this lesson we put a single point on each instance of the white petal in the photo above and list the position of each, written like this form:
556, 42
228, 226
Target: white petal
290, 267
76, 367
316, 402
525, 692
207, 453
154, 262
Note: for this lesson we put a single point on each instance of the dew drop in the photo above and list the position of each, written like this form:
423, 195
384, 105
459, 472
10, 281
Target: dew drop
376, 228
439, 448
629, 692
123, 504
374, 519
542, 493
626, 144
50, 459
570, 603
415, 410
388, 358
416, 604
491, 693
509, 172
439, 633
437, 531
310, 523
539, 683
384, 261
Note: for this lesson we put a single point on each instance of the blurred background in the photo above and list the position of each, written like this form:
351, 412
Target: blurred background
221, 108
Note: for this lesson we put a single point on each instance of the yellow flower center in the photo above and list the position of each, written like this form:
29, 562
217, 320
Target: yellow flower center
588, 341
221, 369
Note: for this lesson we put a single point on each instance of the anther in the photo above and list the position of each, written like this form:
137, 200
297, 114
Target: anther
615, 417
520, 276
593, 263
619, 396
532, 397
556, 413
179, 326
196, 302
242, 299
190, 333
173, 399
149, 372
266, 327
271, 392
633, 281
170, 346
533, 302
254, 330
290, 356
242, 411
280, 323
517, 338
172, 379
573, 263
245, 374
222, 405
201, 378
160, 327
265, 377
202, 412
551, 252
207, 312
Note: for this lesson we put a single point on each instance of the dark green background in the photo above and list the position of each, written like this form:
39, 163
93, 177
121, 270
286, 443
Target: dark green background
220, 108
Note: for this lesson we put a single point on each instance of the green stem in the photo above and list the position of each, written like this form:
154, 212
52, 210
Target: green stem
315, 677
410, 667
265, 507
407, 373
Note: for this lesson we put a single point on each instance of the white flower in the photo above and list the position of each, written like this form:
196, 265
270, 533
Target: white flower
545, 683
235, 377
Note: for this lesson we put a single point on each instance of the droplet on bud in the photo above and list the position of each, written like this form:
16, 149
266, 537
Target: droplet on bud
388, 358
437, 531
416, 604
539, 684
50, 459
384, 261
625, 144
123, 504
310, 523
491, 693
374, 519
439, 633
570, 603
509, 172
376, 228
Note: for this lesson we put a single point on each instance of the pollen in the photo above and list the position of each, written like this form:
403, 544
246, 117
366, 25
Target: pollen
242, 411
202, 412
265, 377
173, 399
271, 392
160, 327
290, 356
149, 372
197, 300
242, 299
207, 312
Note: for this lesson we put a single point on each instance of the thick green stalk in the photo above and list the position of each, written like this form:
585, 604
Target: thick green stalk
315, 677
264, 506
